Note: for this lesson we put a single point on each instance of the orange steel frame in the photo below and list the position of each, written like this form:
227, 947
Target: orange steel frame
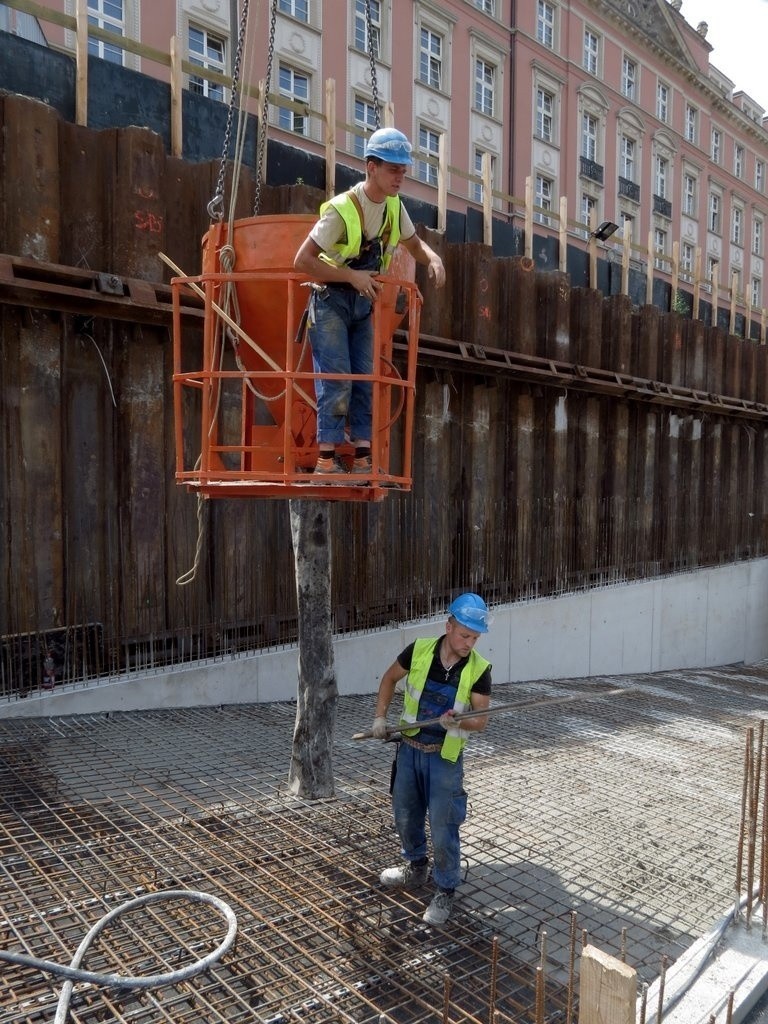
274, 461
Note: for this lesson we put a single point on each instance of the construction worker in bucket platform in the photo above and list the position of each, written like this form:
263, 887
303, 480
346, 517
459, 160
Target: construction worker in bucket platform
353, 241
446, 676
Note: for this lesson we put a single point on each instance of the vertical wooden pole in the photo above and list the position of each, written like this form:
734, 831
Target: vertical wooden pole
626, 256
675, 272
529, 218
81, 58
330, 137
714, 287
485, 170
563, 263
442, 182
697, 284
389, 114
592, 244
649, 274
608, 989
732, 318
177, 91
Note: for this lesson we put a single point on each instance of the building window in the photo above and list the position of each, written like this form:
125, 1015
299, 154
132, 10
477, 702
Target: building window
206, 51
628, 78
591, 55
759, 176
661, 177
717, 146
294, 85
485, 86
737, 225
662, 102
686, 260
691, 124
689, 195
544, 192
429, 143
365, 119
431, 59
545, 24
713, 223
589, 137
477, 189
545, 115
627, 218
298, 9
735, 282
486, 6
757, 236
660, 248
362, 42
588, 205
757, 293
738, 161
107, 14
627, 158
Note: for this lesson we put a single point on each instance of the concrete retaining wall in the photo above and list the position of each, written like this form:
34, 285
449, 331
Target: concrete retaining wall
693, 620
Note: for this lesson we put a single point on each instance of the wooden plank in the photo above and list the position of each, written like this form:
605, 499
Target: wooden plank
607, 989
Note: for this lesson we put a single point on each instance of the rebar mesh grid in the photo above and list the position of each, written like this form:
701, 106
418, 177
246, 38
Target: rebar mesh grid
614, 820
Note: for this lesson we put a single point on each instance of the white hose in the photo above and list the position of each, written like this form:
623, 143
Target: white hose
73, 973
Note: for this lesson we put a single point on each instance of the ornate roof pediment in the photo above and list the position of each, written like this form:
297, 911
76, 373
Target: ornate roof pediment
655, 19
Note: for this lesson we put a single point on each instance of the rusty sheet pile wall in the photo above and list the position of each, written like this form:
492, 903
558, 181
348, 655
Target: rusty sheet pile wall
562, 439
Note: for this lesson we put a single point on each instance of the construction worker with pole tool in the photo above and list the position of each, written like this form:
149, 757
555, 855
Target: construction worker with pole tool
446, 677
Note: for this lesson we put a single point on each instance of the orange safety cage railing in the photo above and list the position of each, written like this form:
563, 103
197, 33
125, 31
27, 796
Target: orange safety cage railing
244, 394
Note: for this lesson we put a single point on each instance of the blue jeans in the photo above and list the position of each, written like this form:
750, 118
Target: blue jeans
428, 784
341, 336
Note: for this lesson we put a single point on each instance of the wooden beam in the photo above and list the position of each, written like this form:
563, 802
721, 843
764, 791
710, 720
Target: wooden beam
608, 989
81, 49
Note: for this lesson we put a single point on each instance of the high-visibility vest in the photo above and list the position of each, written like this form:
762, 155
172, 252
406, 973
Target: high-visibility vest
423, 653
347, 205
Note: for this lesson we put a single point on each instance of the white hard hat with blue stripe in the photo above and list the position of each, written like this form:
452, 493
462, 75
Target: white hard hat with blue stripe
389, 144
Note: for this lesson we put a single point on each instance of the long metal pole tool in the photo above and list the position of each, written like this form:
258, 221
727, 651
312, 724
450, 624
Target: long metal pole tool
495, 709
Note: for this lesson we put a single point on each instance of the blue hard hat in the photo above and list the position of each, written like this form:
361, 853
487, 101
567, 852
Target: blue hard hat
471, 611
389, 144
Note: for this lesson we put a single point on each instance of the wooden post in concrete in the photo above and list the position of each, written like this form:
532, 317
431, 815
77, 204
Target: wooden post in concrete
607, 989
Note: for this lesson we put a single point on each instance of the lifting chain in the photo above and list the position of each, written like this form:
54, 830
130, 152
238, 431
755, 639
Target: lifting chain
263, 119
216, 205
374, 79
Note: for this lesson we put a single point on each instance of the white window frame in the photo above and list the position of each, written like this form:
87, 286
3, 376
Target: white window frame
545, 190
430, 61
691, 123
628, 77
660, 254
545, 114
483, 88
475, 188
590, 59
288, 119
687, 260
758, 235
716, 145
207, 60
661, 168
486, 6
628, 157
663, 97
429, 143
590, 136
737, 225
97, 15
299, 10
714, 213
738, 160
588, 204
759, 176
366, 123
690, 194
360, 30
757, 293
712, 262
624, 216
546, 14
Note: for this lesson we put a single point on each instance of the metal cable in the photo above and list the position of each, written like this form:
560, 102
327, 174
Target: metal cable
73, 973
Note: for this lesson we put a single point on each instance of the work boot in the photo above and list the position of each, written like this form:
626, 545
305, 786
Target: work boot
326, 466
363, 466
408, 875
439, 910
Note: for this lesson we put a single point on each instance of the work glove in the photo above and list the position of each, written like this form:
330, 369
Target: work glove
379, 728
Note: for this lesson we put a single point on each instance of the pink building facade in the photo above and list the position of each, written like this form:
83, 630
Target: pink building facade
612, 104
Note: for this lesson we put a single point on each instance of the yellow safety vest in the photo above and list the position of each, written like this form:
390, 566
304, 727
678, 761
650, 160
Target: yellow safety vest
423, 652
348, 207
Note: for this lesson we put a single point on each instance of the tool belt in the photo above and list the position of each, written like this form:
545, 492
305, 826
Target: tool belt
426, 748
